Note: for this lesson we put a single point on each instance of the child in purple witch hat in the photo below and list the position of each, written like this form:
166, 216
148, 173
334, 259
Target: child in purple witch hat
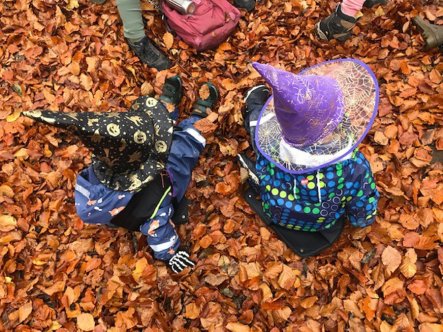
309, 173
141, 166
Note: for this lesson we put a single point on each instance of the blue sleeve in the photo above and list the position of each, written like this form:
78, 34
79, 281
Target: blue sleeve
96, 203
160, 232
362, 209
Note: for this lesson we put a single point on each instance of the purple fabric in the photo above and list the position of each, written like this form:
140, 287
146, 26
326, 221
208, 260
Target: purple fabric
360, 90
308, 108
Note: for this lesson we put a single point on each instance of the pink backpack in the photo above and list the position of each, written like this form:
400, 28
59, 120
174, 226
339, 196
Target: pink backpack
210, 24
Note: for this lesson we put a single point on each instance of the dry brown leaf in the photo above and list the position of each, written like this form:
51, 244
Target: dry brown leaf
168, 39
6, 190
391, 258
85, 322
24, 311
204, 92
430, 327
287, 278
369, 307
238, 327
7, 223
140, 266
192, 311
308, 302
146, 89
206, 241
418, 286
380, 138
408, 267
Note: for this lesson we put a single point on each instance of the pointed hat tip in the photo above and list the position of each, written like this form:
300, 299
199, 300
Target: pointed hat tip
32, 114
268, 72
259, 66
41, 116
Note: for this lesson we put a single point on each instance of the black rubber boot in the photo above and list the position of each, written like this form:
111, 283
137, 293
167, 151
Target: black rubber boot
201, 105
372, 3
172, 90
336, 26
149, 54
256, 97
433, 33
249, 5
98, 2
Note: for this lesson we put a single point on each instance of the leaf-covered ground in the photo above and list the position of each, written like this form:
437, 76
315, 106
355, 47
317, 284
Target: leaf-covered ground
58, 274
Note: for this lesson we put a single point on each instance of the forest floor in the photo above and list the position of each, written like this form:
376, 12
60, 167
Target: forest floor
60, 274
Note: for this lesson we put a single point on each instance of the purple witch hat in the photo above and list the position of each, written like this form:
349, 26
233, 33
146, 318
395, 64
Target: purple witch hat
318, 116
308, 107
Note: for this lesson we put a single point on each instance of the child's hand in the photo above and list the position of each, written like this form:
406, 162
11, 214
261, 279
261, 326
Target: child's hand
180, 261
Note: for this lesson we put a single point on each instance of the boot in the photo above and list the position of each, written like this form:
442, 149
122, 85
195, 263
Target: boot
146, 51
249, 5
172, 90
372, 3
201, 106
336, 26
256, 98
433, 33
98, 2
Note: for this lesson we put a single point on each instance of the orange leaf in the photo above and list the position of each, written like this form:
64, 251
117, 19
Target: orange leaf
287, 278
418, 286
408, 268
192, 311
24, 311
238, 327
168, 39
391, 258
205, 242
85, 322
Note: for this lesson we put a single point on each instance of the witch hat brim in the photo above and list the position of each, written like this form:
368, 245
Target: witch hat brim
360, 91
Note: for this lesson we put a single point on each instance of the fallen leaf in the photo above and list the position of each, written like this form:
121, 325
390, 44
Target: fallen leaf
24, 311
7, 223
391, 258
168, 39
192, 311
85, 322
418, 286
408, 267
287, 278
14, 116
237, 327
140, 266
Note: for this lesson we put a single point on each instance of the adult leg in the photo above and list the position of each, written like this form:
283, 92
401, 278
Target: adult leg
131, 14
134, 31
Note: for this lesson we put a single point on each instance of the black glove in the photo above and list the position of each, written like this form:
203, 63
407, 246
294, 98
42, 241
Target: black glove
180, 261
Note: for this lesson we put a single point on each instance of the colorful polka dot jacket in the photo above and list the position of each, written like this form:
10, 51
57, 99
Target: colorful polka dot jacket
314, 201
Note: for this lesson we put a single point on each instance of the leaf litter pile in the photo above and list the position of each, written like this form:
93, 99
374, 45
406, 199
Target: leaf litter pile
59, 274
